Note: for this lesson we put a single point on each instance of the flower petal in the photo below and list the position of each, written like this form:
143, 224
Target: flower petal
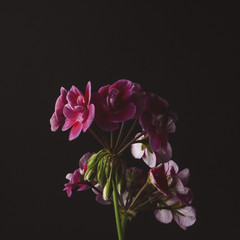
155, 141
179, 187
83, 187
149, 158
88, 93
73, 95
54, 123
84, 160
136, 150
75, 131
188, 219
163, 215
127, 112
184, 175
159, 179
164, 157
70, 113
91, 114
171, 167
124, 86
100, 200
68, 123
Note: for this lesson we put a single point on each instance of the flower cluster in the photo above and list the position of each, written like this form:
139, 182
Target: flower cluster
107, 172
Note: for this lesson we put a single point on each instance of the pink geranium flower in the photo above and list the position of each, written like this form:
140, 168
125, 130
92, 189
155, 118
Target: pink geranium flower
144, 151
78, 111
158, 121
76, 178
116, 103
58, 118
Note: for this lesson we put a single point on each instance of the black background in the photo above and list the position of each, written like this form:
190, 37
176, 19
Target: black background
185, 52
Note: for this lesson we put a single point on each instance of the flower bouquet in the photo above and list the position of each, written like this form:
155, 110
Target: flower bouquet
107, 172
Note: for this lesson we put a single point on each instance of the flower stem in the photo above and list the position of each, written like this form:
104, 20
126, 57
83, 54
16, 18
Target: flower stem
138, 194
131, 142
97, 138
124, 221
119, 136
128, 134
116, 210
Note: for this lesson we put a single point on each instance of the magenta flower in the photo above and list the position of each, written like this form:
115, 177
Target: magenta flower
76, 178
116, 103
158, 121
78, 111
144, 151
58, 118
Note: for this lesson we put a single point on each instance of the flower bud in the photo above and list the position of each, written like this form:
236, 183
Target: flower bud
90, 175
101, 172
107, 190
108, 169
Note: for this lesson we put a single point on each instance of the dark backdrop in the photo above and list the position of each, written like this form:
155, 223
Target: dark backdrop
185, 52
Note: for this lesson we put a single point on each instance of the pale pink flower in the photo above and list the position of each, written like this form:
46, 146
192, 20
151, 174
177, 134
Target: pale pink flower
140, 150
184, 217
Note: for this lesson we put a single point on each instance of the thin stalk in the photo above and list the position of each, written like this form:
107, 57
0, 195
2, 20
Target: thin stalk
124, 221
130, 143
103, 136
116, 210
147, 201
129, 133
138, 194
119, 135
111, 140
97, 138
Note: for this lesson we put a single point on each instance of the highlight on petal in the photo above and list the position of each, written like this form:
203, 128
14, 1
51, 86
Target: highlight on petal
163, 215
88, 93
149, 158
91, 115
75, 131
136, 150
68, 123
54, 123
188, 219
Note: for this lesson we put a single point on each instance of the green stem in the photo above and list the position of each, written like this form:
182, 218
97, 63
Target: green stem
124, 221
138, 194
119, 136
116, 210
130, 143
97, 138
128, 134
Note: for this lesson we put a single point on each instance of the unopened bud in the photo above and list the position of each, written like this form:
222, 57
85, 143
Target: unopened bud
101, 173
90, 175
107, 190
